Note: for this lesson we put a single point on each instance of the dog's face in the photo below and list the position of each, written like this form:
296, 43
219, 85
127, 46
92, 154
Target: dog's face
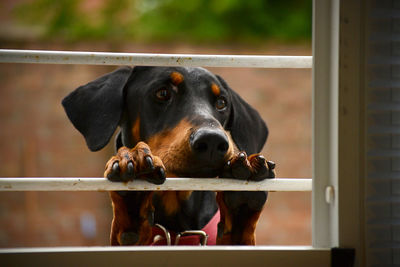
189, 117
181, 113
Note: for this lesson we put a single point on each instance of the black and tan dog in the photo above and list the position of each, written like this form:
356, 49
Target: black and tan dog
174, 122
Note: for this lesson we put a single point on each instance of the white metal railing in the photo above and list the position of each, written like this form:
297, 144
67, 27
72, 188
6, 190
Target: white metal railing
196, 184
191, 60
142, 59
183, 255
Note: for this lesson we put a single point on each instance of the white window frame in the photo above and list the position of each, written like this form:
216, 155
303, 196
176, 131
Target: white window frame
339, 130
337, 167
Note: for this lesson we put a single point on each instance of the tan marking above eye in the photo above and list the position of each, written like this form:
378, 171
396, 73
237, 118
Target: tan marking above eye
176, 78
215, 89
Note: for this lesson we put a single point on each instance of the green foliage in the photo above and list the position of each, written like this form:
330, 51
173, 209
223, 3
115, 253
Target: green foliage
172, 20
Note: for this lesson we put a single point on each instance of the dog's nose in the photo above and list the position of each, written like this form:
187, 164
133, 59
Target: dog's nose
209, 145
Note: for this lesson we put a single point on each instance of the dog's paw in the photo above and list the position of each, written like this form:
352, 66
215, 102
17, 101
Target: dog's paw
135, 163
254, 167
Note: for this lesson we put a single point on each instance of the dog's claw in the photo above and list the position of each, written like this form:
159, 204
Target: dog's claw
241, 156
130, 169
259, 161
271, 165
161, 174
149, 162
114, 174
158, 177
115, 167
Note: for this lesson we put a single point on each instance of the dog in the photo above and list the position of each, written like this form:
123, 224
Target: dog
174, 122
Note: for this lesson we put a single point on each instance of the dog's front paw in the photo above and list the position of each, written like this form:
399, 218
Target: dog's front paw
135, 163
254, 167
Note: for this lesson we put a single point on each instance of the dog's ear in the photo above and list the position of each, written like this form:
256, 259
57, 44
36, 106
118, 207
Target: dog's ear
247, 128
95, 109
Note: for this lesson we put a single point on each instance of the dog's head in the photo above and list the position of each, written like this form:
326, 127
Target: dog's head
189, 117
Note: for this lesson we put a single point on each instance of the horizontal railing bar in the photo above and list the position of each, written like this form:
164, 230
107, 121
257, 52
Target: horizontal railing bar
168, 256
147, 59
171, 184
156, 248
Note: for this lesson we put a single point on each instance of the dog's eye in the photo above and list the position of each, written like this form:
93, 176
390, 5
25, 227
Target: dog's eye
163, 94
221, 103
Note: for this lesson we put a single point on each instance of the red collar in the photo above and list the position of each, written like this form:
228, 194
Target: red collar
189, 240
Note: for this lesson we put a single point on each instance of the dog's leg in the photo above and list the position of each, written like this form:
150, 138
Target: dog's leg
133, 218
133, 212
240, 211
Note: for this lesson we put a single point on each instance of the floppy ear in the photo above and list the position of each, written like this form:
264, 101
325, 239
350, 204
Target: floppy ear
95, 109
247, 128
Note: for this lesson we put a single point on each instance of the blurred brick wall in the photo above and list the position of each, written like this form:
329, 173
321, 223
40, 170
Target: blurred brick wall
36, 139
